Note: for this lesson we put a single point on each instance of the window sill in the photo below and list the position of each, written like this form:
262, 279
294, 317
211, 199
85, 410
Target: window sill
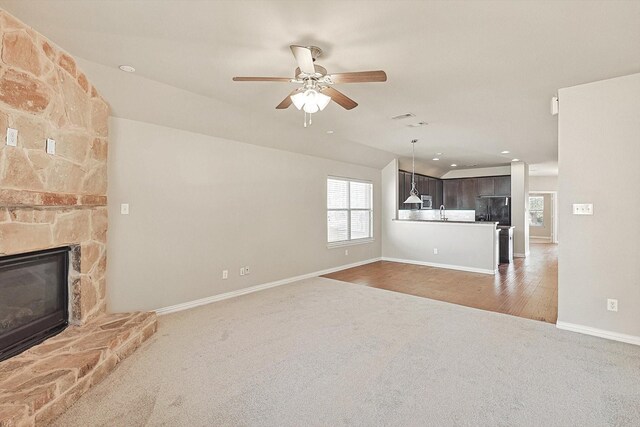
349, 243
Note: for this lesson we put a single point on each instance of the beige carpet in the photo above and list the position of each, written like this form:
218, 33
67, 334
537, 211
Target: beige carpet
324, 353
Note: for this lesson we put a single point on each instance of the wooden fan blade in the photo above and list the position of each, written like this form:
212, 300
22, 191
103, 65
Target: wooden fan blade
340, 98
359, 77
303, 58
262, 79
286, 102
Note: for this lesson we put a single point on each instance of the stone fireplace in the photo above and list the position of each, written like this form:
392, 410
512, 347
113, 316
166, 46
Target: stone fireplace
54, 200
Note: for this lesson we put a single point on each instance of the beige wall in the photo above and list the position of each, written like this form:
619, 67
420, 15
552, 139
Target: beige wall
200, 204
599, 147
543, 183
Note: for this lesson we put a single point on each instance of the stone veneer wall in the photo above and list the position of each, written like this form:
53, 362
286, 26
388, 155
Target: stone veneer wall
48, 201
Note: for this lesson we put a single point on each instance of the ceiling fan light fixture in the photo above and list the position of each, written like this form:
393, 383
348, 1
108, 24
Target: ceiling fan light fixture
316, 90
311, 101
298, 100
311, 107
322, 100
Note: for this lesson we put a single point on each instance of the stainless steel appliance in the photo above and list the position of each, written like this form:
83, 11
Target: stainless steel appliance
494, 208
427, 202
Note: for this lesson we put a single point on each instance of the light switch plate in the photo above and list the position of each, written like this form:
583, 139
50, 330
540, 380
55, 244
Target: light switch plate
583, 209
124, 209
51, 146
12, 137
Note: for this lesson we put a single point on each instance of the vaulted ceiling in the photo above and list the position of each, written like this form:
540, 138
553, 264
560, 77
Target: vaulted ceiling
481, 73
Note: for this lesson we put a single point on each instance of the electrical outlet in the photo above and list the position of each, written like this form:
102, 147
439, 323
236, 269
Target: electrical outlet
51, 146
124, 209
346, 251
612, 304
242, 271
225, 274
246, 270
12, 137
435, 251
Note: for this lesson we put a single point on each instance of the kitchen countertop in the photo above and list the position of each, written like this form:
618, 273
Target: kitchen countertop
492, 223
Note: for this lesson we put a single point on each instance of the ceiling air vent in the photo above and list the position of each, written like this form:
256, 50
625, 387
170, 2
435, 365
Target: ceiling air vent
403, 116
417, 125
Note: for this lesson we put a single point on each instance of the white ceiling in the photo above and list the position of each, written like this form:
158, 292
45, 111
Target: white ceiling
482, 73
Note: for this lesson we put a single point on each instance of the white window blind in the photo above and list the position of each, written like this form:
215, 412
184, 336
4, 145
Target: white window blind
349, 210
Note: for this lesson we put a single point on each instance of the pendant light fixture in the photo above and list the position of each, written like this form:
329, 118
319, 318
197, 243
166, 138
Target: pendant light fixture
413, 194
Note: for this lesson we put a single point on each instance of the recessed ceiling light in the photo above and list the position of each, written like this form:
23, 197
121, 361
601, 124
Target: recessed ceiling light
329, 132
515, 160
127, 68
505, 152
453, 165
435, 158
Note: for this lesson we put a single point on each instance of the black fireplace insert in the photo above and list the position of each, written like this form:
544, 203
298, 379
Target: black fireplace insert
33, 298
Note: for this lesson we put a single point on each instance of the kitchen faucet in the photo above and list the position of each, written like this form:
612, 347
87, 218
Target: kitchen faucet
443, 213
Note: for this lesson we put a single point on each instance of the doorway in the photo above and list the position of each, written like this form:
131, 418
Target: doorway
543, 221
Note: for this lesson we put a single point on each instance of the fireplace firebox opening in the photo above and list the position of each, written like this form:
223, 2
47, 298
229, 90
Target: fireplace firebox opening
34, 298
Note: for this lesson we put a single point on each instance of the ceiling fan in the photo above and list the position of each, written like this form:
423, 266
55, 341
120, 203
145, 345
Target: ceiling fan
316, 89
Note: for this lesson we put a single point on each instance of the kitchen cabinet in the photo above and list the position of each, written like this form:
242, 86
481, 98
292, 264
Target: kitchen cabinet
485, 186
400, 188
450, 190
467, 193
461, 193
438, 200
433, 190
405, 193
423, 184
458, 193
502, 185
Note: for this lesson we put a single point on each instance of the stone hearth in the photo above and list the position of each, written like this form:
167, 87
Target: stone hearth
41, 383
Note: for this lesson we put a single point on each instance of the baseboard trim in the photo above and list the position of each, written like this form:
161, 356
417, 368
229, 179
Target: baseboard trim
214, 298
517, 255
540, 239
615, 336
447, 266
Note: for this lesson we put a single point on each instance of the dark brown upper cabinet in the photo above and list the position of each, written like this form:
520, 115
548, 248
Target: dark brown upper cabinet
502, 185
485, 186
425, 185
458, 193
450, 190
467, 193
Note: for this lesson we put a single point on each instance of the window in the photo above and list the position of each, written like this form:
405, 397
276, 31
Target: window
349, 210
536, 211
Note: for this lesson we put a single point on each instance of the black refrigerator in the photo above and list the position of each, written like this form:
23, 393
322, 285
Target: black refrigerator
494, 209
